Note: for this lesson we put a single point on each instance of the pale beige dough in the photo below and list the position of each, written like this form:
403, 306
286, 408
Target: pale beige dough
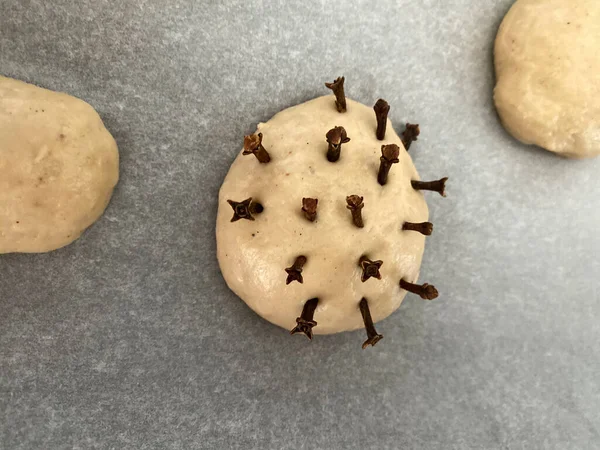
253, 255
58, 167
548, 75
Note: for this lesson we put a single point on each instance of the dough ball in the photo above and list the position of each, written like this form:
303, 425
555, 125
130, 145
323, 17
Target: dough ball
253, 255
547, 66
58, 167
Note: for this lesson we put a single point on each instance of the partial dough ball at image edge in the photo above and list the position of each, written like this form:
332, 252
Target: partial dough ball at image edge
321, 226
58, 168
548, 88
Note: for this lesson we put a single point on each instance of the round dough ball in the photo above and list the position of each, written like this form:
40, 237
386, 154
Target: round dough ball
253, 255
58, 167
547, 66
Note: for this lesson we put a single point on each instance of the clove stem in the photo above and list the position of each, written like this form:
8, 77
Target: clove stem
438, 186
425, 228
372, 336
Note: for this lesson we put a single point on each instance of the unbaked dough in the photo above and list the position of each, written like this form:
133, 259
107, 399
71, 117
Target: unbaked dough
253, 255
58, 167
547, 68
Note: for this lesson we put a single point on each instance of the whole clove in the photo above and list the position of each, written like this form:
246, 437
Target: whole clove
355, 205
438, 186
370, 268
305, 322
253, 146
245, 209
338, 90
295, 271
372, 336
410, 134
335, 138
425, 291
382, 108
389, 156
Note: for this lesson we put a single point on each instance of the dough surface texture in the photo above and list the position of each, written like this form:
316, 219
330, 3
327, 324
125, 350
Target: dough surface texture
254, 254
547, 70
58, 167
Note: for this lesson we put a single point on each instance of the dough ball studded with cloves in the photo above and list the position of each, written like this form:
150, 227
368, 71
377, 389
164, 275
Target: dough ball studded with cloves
321, 225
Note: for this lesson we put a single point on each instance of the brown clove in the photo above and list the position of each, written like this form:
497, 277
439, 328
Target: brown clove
355, 205
410, 134
438, 186
305, 322
370, 268
372, 336
389, 156
295, 272
425, 228
245, 209
425, 291
335, 138
382, 108
309, 208
253, 146
338, 90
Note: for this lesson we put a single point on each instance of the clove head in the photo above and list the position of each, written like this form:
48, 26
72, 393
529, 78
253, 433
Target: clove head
309, 208
253, 146
370, 268
245, 209
429, 292
410, 134
251, 143
390, 153
355, 202
337, 136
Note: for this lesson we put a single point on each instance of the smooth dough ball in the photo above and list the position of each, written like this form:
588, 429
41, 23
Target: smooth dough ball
58, 167
547, 66
254, 254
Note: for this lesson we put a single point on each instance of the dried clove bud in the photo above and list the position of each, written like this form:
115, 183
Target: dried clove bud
370, 268
389, 156
245, 209
425, 291
335, 138
309, 208
382, 108
253, 146
438, 186
338, 90
409, 135
425, 228
372, 336
295, 272
305, 322
355, 205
